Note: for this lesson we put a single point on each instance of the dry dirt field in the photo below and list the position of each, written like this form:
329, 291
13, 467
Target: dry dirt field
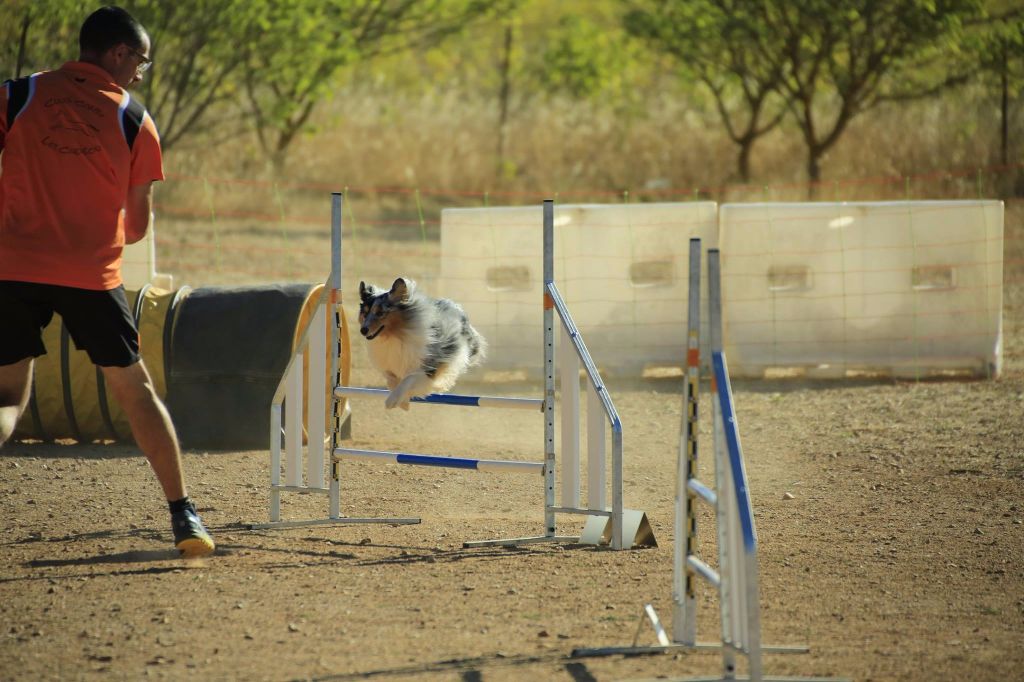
898, 555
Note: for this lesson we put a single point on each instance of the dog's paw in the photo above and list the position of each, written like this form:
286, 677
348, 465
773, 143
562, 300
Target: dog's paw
393, 400
405, 405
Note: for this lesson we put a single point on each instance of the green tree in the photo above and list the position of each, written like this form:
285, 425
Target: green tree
580, 60
304, 44
840, 58
997, 47
38, 34
717, 44
197, 50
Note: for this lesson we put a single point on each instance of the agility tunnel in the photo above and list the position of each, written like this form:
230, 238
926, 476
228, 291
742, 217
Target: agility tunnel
215, 355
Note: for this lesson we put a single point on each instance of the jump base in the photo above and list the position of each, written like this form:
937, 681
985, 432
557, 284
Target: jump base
598, 529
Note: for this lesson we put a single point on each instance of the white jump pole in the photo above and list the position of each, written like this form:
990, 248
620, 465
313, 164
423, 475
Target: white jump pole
684, 611
549, 369
569, 378
531, 404
316, 416
334, 299
595, 450
729, 560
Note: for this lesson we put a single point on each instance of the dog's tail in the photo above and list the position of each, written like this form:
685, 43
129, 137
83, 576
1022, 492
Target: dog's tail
477, 347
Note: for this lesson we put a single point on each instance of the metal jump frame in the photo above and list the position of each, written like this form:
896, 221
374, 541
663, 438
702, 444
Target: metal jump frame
287, 403
736, 579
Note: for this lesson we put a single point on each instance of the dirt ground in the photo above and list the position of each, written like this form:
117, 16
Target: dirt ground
897, 555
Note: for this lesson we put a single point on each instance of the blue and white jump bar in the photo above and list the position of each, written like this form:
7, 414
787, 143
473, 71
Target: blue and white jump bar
488, 465
534, 404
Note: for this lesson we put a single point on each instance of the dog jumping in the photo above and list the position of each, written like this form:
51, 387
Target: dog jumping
421, 344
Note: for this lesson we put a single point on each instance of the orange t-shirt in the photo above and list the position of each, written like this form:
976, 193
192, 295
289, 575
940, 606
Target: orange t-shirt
68, 158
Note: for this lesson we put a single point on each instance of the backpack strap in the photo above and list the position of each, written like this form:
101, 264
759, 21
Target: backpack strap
131, 113
19, 92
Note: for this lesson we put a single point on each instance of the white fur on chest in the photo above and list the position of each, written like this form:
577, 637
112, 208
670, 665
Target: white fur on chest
395, 355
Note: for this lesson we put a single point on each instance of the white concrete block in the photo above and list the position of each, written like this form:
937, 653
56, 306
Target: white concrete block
907, 288
622, 269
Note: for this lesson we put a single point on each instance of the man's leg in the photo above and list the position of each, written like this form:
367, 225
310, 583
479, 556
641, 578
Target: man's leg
154, 434
15, 388
151, 424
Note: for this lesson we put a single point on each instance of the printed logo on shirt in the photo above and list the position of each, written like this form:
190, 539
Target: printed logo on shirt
56, 146
74, 101
64, 122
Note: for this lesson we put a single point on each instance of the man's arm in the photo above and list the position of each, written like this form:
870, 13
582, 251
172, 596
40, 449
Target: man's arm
136, 211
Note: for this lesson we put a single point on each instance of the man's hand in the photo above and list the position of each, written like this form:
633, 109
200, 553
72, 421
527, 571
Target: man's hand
136, 212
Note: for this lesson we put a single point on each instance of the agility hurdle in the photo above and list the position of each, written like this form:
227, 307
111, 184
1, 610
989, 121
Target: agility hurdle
620, 527
736, 578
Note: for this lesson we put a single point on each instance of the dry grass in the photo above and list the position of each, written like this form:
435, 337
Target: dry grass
445, 141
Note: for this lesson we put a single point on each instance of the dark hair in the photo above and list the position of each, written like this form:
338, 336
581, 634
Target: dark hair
108, 27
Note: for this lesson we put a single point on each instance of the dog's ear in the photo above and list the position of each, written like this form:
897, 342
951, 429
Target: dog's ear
364, 293
399, 290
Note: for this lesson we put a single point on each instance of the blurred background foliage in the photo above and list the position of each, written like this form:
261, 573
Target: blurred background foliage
538, 94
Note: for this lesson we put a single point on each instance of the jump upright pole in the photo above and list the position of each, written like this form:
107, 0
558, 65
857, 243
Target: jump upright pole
684, 621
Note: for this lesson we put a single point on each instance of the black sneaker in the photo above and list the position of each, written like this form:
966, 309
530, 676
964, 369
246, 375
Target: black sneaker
190, 536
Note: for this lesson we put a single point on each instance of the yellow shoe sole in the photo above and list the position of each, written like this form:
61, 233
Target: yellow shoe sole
192, 548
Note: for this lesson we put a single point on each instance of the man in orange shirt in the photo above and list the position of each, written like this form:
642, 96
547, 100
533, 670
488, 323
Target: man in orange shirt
79, 157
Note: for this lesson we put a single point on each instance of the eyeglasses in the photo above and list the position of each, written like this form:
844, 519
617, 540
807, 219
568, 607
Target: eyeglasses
144, 61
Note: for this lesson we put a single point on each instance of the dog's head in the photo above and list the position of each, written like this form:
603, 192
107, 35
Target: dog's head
381, 309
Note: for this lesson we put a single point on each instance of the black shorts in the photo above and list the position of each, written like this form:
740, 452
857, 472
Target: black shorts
99, 322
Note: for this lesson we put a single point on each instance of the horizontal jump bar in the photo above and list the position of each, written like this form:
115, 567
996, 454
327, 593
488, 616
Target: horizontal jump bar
490, 465
341, 520
699, 646
450, 398
700, 490
697, 566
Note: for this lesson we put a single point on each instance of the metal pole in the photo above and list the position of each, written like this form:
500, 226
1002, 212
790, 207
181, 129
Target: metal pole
334, 306
569, 374
726, 501
715, 299
684, 621
501, 402
549, 370
335, 281
317, 388
617, 501
275, 461
293, 424
595, 449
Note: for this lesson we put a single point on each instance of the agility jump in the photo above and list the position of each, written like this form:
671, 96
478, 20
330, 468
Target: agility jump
620, 527
736, 578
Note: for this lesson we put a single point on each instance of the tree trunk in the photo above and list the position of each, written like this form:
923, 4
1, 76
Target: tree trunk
22, 42
279, 154
1004, 110
813, 172
743, 162
503, 97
